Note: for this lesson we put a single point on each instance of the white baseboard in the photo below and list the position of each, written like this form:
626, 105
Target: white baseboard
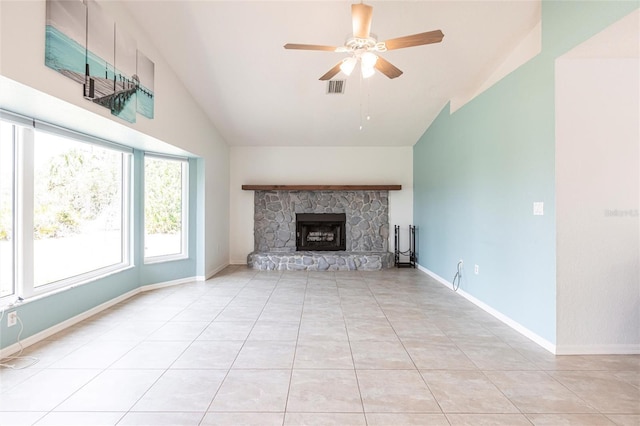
213, 272
630, 349
28, 341
9, 350
179, 281
496, 314
435, 277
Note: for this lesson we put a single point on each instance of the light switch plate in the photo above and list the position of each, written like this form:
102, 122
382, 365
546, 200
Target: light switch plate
538, 208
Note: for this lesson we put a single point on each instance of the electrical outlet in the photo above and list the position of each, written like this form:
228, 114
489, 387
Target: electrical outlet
12, 319
476, 269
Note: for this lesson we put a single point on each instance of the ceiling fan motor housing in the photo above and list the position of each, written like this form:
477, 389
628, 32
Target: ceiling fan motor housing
356, 44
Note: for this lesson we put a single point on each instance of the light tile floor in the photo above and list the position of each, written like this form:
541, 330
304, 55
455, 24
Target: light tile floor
314, 348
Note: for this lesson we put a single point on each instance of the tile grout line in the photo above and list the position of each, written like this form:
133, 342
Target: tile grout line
240, 350
407, 352
355, 370
295, 351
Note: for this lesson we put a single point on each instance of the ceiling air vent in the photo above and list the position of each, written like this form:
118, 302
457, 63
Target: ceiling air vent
336, 86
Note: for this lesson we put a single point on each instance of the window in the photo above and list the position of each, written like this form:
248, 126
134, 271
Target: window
78, 208
7, 286
165, 208
64, 207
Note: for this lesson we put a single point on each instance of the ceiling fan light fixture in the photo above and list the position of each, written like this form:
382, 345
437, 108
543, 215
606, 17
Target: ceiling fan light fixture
348, 65
367, 63
367, 71
368, 60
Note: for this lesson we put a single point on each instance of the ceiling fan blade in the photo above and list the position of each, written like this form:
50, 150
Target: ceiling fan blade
414, 40
361, 15
332, 72
387, 68
309, 47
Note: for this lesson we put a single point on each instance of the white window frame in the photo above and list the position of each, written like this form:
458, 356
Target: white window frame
8, 298
24, 137
184, 231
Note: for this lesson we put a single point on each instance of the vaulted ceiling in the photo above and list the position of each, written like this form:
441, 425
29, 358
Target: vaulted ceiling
230, 56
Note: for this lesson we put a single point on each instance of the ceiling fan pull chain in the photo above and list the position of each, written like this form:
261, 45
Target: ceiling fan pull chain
361, 112
368, 100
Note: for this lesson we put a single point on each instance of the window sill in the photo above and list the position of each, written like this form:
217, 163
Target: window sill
15, 301
164, 259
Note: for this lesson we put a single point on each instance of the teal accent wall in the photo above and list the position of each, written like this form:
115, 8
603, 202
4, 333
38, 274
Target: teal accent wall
478, 171
46, 312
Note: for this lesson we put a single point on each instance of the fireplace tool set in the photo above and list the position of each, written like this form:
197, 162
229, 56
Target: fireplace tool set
411, 252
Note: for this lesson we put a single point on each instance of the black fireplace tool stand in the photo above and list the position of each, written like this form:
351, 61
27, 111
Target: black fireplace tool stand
411, 252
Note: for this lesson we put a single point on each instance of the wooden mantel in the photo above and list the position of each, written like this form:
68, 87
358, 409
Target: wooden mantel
321, 187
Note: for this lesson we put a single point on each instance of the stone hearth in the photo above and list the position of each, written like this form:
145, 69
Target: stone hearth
321, 261
367, 230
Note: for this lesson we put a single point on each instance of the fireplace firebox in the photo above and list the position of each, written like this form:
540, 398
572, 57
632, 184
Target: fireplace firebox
321, 232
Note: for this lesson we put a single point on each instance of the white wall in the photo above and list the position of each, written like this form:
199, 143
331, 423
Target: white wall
597, 172
178, 119
316, 165
527, 48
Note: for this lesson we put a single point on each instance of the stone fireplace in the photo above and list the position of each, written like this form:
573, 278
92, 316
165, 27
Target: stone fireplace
349, 230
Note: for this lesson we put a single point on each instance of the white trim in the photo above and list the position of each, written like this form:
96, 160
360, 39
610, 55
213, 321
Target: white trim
165, 156
24, 174
23, 231
163, 284
629, 349
435, 277
9, 350
163, 258
44, 295
213, 272
14, 118
496, 314
184, 213
80, 137
28, 341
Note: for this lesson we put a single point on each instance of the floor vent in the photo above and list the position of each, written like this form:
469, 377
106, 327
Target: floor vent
336, 86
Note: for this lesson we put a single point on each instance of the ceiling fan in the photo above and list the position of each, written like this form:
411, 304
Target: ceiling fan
363, 46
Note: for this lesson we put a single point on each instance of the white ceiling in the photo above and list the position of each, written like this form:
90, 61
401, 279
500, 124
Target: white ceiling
230, 56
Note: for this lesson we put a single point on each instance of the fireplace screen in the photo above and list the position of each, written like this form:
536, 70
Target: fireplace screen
320, 231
